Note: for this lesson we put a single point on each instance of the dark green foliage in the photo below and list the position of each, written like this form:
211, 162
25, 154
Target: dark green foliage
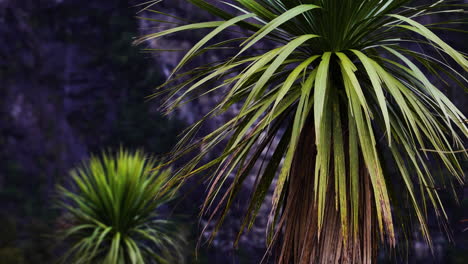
9, 254
8, 231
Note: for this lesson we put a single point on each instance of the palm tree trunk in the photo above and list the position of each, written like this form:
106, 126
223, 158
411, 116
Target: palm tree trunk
302, 242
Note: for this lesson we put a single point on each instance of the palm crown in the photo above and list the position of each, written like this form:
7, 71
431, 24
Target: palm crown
339, 85
113, 205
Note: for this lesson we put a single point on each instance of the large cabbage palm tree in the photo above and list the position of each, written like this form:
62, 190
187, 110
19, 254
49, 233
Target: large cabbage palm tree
334, 91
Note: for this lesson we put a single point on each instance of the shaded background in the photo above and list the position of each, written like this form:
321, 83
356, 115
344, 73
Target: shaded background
71, 84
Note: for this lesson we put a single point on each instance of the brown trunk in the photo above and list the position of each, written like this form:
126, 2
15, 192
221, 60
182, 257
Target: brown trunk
301, 243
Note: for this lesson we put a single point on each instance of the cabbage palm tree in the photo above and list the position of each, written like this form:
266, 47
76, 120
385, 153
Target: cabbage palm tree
113, 213
334, 91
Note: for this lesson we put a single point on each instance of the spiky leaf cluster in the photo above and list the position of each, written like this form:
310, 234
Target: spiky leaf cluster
113, 205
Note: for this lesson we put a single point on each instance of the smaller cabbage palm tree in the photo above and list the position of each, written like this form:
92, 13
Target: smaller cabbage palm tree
113, 202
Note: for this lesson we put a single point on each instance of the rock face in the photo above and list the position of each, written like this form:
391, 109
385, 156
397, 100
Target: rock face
49, 90
68, 75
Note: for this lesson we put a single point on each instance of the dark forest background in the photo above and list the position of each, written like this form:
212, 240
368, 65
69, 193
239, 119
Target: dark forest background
72, 84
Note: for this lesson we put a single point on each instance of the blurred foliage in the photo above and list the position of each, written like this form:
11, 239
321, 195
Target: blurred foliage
11, 256
8, 231
23, 231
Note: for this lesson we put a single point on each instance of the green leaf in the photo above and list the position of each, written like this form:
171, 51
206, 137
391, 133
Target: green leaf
376, 84
274, 24
210, 36
422, 30
178, 29
321, 86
